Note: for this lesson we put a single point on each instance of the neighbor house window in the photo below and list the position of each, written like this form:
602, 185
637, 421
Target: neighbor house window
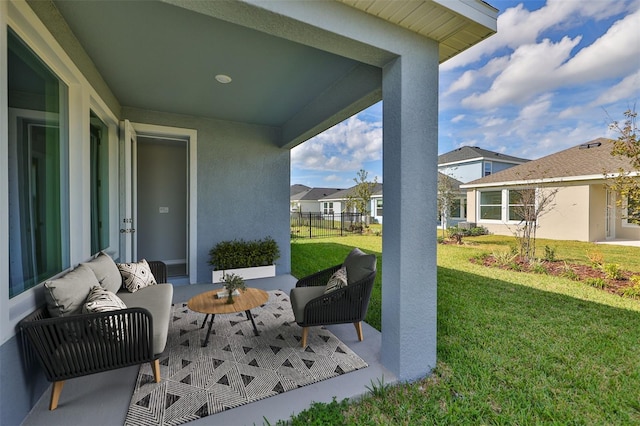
520, 203
491, 205
633, 210
457, 208
38, 172
488, 166
99, 141
378, 207
327, 208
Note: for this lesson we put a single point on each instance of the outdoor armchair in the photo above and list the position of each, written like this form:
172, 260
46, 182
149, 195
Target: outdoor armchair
313, 306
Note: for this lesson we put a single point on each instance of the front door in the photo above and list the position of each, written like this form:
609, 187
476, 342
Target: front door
128, 193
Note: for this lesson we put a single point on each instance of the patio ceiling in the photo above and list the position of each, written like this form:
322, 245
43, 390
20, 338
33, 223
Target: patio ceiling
164, 56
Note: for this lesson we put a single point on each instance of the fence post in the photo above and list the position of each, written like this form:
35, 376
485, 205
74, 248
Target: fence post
309, 225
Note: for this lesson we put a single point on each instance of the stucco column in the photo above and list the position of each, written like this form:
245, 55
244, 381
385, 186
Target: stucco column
410, 152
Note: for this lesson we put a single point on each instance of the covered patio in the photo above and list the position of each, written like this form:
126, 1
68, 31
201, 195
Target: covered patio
292, 70
104, 398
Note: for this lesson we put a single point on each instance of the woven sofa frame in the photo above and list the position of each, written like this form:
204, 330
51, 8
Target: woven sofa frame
79, 345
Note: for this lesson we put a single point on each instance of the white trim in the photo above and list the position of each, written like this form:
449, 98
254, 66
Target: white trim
19, 16
476, 159
599, 177
5, 329
246, 273
192, 136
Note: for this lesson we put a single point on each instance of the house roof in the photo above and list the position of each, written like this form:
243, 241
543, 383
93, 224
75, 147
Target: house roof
467, 153
346, 193
452, 182
314, 194
589, 160
297, 189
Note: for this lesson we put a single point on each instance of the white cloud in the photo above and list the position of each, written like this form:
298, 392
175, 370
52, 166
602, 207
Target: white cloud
518, 26
458, 118
614, 54
627, 89
530, 72
344, 147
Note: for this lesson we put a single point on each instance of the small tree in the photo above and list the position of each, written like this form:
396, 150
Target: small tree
627, 182
448, 192
528, 205
360, 198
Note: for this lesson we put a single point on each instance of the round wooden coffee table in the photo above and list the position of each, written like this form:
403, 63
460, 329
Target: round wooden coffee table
207, 303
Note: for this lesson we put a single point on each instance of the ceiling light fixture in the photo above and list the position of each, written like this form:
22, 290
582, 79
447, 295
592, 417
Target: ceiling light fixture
224, 79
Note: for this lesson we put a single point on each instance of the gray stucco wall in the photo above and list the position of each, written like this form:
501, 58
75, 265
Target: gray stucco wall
243, 183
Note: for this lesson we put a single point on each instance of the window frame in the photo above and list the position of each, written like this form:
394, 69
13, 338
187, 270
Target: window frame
480, 205
81, 97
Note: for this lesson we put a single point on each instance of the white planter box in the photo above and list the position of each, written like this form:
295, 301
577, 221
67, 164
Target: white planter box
246, 273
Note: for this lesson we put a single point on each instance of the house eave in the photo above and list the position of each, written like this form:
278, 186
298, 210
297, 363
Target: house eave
598, 177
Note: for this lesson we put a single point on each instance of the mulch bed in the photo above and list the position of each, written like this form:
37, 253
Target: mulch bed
561, 268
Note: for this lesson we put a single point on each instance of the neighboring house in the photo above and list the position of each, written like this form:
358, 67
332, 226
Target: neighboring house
307, 201
584, 209
466, 164
458, 207
216, 94
470, 163
337, 202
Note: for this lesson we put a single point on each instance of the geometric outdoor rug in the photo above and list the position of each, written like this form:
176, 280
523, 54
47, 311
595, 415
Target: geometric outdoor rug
236, 367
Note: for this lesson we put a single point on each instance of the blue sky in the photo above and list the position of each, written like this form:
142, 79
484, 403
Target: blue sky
554, 76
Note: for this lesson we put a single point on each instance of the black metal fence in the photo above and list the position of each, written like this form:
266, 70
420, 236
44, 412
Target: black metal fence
318, 225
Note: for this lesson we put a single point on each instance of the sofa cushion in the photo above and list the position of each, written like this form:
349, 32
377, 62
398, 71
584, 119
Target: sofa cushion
66, 295
300, 296
106, 272
338, 280
102, 300
359, 265
157, 300
136, 275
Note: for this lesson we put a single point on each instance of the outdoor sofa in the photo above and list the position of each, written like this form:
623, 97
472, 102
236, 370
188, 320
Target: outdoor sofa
69, 343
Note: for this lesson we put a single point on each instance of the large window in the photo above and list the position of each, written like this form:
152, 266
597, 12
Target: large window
633, 209
38, 172
521, 204
379, 207
327, 208
99, 141
491, 205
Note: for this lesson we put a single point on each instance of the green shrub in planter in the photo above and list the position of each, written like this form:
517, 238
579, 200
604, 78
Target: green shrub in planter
244, 254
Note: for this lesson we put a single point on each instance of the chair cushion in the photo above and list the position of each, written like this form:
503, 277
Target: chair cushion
157, 300
66, 295
106, 271
102, 300
300, 296
338, 280
136, 275
359, 265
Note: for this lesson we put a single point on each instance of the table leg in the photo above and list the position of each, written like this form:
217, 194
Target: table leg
255, 329
206, 339
205, 320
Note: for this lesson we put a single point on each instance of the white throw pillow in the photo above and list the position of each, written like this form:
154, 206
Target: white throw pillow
136, 275
338, 280
102, 300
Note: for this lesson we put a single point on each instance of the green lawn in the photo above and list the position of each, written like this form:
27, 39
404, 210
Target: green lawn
513, 348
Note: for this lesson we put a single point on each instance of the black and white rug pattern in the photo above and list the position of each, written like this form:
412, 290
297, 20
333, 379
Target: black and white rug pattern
236, 367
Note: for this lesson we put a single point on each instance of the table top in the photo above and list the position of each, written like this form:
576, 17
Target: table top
208, 303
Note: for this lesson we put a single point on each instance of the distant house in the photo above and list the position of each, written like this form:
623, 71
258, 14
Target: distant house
584, 210
458, 209
337, 202
466, 164
306, 200
469, 163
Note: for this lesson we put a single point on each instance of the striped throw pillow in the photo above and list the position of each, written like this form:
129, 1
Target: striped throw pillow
338, 280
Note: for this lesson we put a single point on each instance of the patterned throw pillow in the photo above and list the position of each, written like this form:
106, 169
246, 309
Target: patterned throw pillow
136, 275
102, 300
338, 280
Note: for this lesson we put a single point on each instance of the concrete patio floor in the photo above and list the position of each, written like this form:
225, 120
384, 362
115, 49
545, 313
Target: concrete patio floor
103, 399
